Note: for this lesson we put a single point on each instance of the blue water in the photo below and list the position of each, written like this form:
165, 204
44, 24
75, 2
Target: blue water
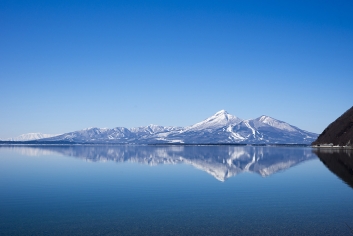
168, 190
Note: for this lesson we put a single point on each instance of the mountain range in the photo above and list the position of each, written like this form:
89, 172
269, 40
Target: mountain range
222, 127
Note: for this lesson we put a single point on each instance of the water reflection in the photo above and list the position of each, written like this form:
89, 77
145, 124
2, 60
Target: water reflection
338, 161
221, 162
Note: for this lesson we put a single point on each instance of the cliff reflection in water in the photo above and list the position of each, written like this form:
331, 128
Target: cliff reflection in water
338, 161
221, 162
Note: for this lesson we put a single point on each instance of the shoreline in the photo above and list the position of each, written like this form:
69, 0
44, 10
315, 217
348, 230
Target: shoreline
31, 143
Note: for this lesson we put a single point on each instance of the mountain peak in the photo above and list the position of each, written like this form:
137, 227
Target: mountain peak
275, 123
265, 118
153, 126
219, 119
221, 112
89, 128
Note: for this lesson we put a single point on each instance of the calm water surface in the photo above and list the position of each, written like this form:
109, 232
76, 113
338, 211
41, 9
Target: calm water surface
174, 190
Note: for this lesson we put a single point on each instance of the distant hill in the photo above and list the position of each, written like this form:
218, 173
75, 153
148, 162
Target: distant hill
31, 136
339, 132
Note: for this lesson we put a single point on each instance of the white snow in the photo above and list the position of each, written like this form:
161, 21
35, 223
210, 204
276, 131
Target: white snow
276, 123
218, 120
31, 136
247, 167
220, 127
249, 126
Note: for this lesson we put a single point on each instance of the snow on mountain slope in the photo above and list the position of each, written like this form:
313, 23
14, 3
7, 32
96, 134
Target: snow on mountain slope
222, 127
218, 120
31, 136
154, 129
269, 130
147, 134
93, 135
276, 123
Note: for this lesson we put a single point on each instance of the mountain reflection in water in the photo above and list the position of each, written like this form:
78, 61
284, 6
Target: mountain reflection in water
339, 162
221, 162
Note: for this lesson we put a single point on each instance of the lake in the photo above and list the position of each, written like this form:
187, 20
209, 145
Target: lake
175, 190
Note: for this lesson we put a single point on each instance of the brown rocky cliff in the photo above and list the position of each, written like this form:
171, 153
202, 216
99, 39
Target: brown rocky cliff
339, 132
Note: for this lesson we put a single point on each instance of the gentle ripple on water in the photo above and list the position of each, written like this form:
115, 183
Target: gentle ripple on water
53, 192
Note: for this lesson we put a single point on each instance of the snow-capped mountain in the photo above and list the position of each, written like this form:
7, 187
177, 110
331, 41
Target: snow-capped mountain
222, 127
96, 135
269, 130
218, 120
31, 136
147, 134
155, 133
262, 130
210, 130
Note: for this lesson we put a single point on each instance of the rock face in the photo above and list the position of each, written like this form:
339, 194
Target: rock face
339, 132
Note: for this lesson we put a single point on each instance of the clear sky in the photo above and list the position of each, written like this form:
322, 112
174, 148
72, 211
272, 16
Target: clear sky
69, 65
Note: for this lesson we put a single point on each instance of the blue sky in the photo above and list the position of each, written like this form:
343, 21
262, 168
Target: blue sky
68, 65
